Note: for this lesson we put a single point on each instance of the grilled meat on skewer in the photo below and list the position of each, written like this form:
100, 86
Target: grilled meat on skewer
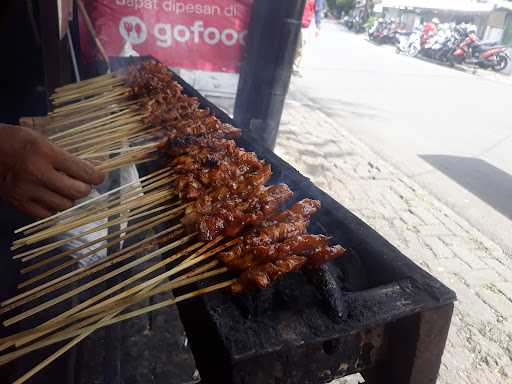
226, 185
242, 257
231, 216
262, 275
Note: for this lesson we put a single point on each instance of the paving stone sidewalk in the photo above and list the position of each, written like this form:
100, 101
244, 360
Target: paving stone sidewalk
479, 348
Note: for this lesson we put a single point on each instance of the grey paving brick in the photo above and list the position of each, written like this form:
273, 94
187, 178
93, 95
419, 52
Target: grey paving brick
502, 269
440, 249
505, 288
497, 300
477, 279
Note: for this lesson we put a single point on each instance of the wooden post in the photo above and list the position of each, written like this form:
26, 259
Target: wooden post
56, 58
266, 69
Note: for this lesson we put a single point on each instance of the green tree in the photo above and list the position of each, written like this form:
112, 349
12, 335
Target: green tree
339, 6
346, 6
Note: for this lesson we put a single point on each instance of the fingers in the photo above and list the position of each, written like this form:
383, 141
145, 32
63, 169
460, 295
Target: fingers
64, 185
34, 209
50, 200
76, 168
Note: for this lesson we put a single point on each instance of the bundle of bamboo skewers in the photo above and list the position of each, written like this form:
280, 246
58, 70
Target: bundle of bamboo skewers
111, 120
103, 121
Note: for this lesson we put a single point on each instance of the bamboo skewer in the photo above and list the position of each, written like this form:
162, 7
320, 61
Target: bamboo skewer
86, 126
105, 207
93, 105
93, 200
91, 115
99, 265
127, 157
88, 130
95, 282
128, 232
80, 274
21, 338
132, 139
32, 253
137, 212
131, 143
66, 334
92, 101
57, 320
154, 281
61, 99
86, 82
62, 266
66, 318
118, 134
70, 120
128, 162
150, 284
122, 150
111, 125
65, 265
158, 196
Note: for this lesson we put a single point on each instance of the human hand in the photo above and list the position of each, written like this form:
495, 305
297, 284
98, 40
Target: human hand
39, 178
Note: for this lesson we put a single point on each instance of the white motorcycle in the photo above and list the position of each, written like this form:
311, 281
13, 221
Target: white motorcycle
410, 45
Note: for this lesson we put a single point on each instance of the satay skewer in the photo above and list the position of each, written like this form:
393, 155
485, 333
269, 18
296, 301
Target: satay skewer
111, 126
194, 259
86, 82
122, 234
74, 331
59, 321
155, 197
62, 266
132, 215
135, 206
139, 189
69, 316
100, 99
110, 260
107, 86
87, 127
95, 282
91, 115
112, 193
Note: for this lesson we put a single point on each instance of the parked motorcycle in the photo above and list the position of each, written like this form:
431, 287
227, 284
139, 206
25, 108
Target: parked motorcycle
409, 43
383, 32
442, 44
486, 55
354, 24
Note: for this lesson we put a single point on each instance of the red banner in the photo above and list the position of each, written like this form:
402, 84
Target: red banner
192, 34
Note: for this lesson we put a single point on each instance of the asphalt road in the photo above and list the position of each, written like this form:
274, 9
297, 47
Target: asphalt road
449, 130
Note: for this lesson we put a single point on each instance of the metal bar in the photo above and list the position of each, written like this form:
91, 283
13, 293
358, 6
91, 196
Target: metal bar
73, 55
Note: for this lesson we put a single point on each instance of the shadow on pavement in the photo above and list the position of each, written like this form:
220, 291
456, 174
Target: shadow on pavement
477, 176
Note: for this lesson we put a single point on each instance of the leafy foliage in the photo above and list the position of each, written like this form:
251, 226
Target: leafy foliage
341, 6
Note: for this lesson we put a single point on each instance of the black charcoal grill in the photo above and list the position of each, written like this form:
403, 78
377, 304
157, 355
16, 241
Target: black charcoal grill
372, 311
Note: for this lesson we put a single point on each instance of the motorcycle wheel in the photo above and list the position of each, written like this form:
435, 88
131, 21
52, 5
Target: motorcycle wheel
413, 51
501, 62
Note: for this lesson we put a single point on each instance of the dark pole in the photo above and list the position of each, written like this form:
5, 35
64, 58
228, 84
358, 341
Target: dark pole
266, 69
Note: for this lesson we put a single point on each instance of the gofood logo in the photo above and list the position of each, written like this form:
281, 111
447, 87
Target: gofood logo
134, 31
